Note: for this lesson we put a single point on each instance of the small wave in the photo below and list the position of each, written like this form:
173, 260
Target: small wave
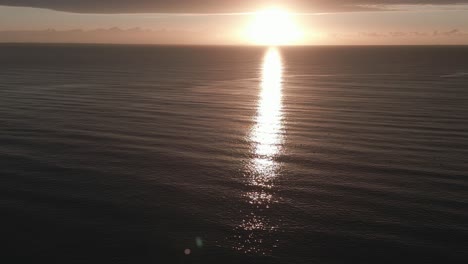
454, 75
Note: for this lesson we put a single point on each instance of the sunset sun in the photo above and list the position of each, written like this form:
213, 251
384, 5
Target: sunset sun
273, 27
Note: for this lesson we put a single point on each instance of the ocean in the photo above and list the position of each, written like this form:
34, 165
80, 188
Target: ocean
186, 154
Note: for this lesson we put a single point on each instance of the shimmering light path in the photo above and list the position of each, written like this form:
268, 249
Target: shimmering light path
262, 169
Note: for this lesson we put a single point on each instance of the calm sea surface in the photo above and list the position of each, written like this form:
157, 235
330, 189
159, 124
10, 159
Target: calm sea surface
147, 154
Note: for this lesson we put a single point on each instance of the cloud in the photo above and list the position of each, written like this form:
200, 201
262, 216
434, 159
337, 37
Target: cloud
114, 35
434, 37
453, 32
405, 34
217, 6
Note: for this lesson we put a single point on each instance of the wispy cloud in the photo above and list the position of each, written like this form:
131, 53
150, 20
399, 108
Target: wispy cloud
406, 34
450, 33
112, 35
218, 6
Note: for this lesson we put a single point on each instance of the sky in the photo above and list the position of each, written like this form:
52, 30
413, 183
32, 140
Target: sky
321, 22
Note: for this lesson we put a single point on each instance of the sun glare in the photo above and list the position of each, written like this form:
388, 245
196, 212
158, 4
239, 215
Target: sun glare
273, 27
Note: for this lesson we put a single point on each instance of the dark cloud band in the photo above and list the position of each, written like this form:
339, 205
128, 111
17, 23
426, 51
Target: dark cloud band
215, 6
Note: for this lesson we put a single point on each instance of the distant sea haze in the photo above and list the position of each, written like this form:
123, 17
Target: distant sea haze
164, 154
116, 35
112, 35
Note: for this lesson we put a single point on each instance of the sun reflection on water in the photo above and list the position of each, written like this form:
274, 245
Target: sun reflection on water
266, 140
266, 135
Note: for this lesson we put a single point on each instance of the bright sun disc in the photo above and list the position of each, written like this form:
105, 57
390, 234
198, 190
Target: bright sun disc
273, 27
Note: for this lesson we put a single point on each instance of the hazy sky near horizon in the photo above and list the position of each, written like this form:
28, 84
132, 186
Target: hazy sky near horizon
209, 22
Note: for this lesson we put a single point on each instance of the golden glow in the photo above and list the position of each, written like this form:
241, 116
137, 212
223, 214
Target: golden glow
262, 169
266, 134
273, 27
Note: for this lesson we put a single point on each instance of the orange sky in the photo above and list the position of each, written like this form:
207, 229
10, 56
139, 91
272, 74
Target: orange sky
409, 25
